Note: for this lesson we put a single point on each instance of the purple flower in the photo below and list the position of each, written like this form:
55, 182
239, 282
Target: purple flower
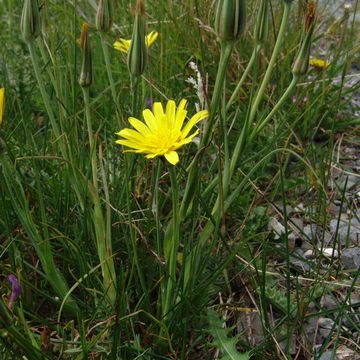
15, 290
149, 103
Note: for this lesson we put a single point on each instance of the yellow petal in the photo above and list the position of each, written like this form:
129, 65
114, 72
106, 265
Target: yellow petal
170, 113
158, 111
130, 144
180, 115
172, 157
122, 45
131, 135
151, 38
139, 126
2, 95
150, 120
201, 115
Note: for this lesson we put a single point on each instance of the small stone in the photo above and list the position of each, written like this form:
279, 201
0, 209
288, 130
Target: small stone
351, 258
330, 252
344, 353
311, 230
326, 323
328, 355
328, 302
277, 227
309, 254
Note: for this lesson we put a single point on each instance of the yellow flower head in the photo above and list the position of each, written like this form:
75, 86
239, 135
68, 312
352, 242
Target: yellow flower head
2, 94
319, 64
124, 45
162, 133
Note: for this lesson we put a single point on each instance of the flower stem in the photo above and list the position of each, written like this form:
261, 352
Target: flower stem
243, 77
277, 47
109, 74
226, 49
255, 105
171, 244
103, 242
286, 94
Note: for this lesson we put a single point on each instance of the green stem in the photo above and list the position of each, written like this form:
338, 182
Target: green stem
277, 47
243, 77
226, 50
172, 245
102, 241
255, 105
286, 94
91, 137
45, 97
109, 72
59, 136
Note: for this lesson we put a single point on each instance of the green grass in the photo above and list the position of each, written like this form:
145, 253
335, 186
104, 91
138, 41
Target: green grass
69, 196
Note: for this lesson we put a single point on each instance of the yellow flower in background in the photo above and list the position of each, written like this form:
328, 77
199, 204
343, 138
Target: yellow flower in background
2, 95
162, 133
124, 45
319, 64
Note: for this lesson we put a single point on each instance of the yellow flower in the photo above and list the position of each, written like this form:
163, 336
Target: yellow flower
319, 64
124, 45
2, 94
162, 133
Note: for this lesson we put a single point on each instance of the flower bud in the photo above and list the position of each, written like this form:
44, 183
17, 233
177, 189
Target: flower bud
262, 22
2, 101
85, 78
230, 19
104, 16
301, 62
30, 20
137, 54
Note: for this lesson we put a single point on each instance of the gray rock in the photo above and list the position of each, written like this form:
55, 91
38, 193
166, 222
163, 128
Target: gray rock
328, 302
250, 326
311, 231
328, 355
326, 323
351, 258
348, 231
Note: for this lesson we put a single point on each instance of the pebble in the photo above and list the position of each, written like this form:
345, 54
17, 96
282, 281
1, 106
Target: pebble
330, 252
351, 258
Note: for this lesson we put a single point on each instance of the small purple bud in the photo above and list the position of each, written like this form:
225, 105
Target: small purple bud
149, 103
294, 99
15, 290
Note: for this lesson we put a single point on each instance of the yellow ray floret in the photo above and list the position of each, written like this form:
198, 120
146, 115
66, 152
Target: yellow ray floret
2, 94
162, 132
123, 45
319, 64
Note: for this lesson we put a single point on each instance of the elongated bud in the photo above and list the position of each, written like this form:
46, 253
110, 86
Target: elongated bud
137, 54
85, 78
30, 20
104, 16
262, 23
2, 101
301, 62
230, 19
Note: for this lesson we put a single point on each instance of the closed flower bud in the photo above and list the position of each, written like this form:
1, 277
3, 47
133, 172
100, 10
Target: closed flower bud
30, 20
104, 16
230, 19
262, 22
85, 78
301, 62
137, 54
